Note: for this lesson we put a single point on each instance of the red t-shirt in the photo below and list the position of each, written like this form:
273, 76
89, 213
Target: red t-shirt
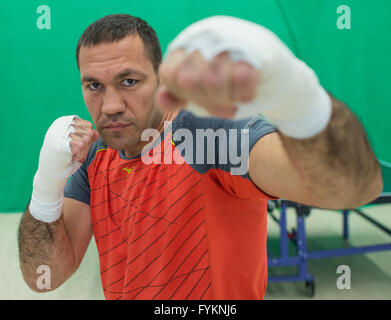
181, 230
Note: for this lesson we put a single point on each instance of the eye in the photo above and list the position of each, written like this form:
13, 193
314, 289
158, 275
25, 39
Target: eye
94, 86
129, 82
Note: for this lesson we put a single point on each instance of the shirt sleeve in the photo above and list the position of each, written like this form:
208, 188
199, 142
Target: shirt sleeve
234, 177
248, 132
221, 149
78, 187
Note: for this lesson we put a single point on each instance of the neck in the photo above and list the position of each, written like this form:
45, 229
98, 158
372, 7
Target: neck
158, 124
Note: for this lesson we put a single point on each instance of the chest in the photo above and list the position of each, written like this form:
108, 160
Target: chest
130, 193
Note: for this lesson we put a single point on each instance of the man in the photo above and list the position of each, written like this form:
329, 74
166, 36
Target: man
186, 227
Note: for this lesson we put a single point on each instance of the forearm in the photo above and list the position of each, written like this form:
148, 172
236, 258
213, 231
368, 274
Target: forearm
48, 244
338, 165
45, 237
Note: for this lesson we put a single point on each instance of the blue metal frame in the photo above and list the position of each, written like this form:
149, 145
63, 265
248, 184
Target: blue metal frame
299, 239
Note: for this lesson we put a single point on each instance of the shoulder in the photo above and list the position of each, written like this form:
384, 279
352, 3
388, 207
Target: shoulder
255, 126
188, 120
215, 143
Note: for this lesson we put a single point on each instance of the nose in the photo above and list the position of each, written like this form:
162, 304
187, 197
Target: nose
113, 103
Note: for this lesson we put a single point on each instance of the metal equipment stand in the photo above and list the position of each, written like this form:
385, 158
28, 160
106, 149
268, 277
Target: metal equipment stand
298, 237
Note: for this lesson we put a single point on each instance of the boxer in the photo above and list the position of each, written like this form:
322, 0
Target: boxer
190, 230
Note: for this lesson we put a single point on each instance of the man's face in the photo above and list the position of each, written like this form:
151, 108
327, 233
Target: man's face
119, 88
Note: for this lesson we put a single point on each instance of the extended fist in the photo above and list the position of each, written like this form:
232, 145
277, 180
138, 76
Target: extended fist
82, 138
217, 85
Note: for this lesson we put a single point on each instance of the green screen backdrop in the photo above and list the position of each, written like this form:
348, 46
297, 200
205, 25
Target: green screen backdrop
40, 82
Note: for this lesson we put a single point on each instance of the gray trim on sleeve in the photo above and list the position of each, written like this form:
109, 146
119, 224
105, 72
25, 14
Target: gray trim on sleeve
78, 186
218, 143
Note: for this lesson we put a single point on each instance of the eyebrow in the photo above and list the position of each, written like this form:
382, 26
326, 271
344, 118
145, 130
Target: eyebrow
125, 73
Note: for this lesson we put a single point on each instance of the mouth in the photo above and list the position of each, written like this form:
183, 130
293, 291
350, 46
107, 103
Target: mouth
116, 126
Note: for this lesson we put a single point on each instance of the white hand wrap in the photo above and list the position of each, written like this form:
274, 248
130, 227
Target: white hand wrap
54, 169
289, 94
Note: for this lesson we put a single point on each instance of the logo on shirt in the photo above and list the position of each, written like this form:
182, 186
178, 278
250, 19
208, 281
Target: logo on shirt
128, 170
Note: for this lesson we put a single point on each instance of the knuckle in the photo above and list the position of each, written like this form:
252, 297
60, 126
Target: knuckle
77, 121
167, 72
82, 123
188, 80
244, 74
74, 137
245, 82
89, 134
242, 83
76, 148
86, 139
88, 124
171, 65
212, 80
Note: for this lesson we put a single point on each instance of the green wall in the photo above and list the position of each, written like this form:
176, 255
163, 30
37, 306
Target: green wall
40, 81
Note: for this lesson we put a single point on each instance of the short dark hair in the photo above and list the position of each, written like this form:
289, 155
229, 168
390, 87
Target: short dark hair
115, 27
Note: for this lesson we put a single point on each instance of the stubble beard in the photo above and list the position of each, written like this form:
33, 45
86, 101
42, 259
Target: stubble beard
130, 139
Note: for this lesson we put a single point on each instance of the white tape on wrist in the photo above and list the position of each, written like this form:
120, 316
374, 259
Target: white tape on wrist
46, 211
54, 169
289, 94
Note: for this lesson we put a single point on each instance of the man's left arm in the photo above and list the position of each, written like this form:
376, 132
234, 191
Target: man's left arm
320, 155
336, 169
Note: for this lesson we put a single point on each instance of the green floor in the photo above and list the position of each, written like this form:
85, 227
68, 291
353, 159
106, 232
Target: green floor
370, 273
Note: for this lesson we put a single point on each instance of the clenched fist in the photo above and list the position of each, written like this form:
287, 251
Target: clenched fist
217, 85
81, 139
66, 145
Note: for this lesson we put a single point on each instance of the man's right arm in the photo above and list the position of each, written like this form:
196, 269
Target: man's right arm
59, 245
55, 231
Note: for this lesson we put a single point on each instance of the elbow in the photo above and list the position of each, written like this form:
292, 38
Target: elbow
33, 286
368, 192
371, 191
37, 285
42, 280
350, 195
42, 285
378, 186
